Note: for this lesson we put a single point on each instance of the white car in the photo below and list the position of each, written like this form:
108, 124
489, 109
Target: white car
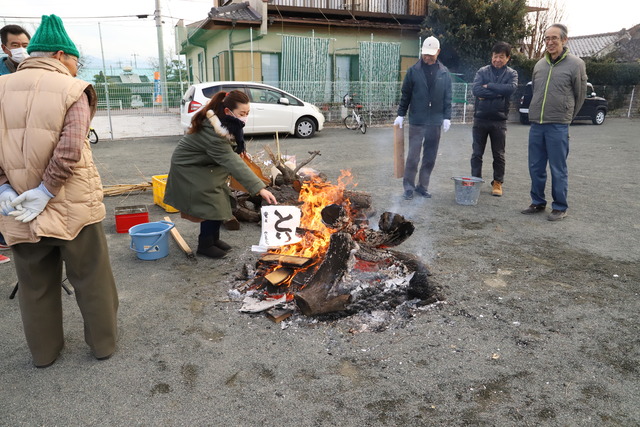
272, 109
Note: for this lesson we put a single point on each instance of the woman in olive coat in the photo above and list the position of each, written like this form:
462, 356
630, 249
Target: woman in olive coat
201, 164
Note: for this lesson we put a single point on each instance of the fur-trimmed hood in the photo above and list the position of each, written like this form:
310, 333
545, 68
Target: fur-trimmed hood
218, 127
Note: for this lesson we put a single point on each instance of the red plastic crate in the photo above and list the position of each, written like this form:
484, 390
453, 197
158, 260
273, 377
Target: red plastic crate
128, 216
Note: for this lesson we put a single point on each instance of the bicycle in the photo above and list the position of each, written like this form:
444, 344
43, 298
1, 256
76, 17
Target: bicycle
355, 120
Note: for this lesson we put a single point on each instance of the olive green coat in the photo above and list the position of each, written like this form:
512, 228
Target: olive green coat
200, 166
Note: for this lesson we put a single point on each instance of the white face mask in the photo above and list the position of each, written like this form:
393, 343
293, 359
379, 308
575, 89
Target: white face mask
242, 119
19, 54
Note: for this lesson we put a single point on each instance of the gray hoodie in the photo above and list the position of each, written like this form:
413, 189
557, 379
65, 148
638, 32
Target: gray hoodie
559, 89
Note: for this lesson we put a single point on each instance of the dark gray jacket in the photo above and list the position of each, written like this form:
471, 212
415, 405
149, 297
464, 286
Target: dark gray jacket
558, 89
492, 102
426, 107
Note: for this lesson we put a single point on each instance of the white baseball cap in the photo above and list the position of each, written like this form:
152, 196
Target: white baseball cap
430, 46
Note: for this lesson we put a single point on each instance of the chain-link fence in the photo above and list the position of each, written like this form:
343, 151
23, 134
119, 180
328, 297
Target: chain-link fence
139, 98
378, 99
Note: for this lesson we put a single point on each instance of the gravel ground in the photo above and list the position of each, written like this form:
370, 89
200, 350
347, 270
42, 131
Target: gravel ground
539, 323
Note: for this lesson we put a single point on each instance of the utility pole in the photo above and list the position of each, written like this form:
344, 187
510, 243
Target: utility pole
163, 77
135, 60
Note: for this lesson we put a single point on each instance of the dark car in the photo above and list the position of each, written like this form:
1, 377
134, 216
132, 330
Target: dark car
594, 108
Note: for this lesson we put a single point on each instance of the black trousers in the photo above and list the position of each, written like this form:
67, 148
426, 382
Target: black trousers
497, 131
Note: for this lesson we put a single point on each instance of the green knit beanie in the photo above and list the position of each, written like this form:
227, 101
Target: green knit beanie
52, 37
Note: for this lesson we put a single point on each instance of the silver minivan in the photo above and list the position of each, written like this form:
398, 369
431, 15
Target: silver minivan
272, 109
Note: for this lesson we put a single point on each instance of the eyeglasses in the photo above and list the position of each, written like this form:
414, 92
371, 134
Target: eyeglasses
551, 39
77, 61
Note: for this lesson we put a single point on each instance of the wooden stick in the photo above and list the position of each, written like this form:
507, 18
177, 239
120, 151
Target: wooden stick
398, 151
181, 242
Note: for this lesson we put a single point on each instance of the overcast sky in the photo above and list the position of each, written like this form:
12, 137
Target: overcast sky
131, 40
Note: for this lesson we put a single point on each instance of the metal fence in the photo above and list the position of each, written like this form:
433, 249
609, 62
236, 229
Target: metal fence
139, 98
379, 99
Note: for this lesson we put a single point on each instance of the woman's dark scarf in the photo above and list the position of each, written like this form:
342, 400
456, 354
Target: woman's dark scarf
234, 126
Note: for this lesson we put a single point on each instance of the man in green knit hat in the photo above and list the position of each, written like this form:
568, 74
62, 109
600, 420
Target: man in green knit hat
51, 208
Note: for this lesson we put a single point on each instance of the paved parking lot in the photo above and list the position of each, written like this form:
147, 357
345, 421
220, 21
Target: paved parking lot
538, 326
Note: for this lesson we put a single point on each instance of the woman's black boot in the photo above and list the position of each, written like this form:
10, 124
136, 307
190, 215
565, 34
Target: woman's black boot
208, 248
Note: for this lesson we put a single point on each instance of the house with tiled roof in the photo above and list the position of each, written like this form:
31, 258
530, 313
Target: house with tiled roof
314, 49
600, 45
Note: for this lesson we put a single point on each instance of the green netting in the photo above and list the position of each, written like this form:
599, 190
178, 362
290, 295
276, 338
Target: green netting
378, 66
304, 59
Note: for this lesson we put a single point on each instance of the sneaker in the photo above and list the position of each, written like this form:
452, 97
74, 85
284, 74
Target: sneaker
4, 259
534, 209
421, 191
497, 188
556, 215
408, 195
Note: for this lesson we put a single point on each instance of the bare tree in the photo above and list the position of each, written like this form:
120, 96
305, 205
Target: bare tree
544, 14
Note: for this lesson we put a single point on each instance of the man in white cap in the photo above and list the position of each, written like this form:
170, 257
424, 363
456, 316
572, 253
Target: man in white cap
426, 93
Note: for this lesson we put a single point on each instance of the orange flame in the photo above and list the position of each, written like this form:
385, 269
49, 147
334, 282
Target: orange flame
316, 195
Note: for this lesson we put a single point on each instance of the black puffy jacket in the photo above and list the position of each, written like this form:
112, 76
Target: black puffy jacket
492, 102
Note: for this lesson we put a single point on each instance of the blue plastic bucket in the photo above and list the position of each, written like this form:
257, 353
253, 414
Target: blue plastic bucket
150, 240
467, 189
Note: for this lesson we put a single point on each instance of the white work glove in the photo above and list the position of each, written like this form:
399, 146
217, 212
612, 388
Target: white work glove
398, 121
446, 124
33, 203
7, 195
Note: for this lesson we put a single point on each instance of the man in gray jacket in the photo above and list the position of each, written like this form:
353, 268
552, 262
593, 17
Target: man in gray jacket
559, 88
493, 86
426, 93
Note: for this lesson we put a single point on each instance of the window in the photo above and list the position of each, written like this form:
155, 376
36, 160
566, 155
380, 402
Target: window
201, 76
270, 69
216, 68
264, 96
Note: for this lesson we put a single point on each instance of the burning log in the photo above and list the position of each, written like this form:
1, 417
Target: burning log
318, 295
277, 277
393, 228
285, 260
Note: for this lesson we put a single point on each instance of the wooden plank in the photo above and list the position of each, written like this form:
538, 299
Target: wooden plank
398, 151
181, 242
279, 314
286, 260
278, 276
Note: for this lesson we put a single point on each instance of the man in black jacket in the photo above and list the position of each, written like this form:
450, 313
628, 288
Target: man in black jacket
493, 86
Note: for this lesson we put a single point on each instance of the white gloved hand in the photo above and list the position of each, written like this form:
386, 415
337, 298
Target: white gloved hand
446, 124
398, 121
7, 195
33, 203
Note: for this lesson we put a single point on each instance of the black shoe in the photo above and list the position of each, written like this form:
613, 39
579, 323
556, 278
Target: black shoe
46, 365
534, 209
424, 193
556, 215
211, 252
408, 195
222, 245
105, 357
207, 247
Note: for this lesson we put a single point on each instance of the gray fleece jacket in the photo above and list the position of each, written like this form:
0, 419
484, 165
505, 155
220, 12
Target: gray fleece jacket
559, 89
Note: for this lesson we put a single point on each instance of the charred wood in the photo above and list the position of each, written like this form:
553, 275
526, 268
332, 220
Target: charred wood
318, 295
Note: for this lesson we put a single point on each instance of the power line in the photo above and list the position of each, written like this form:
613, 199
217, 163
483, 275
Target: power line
141, 16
